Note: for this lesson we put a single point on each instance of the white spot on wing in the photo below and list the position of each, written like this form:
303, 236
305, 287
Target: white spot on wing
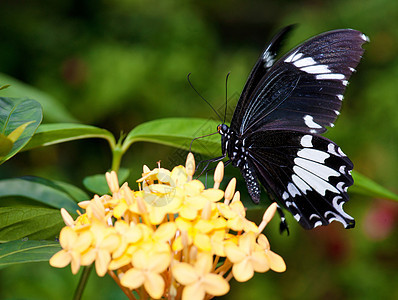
313, 154
293, 57
316, 168
297, 217
341, 97
304, 62
318, 184
317, 223
330, 76
340, 151
365, 37
306, 141
337, 112
332, 149
340, 186
335, 217
309, 121
317, 69
285, 196
293, 191
342, 169
338, 205
301, 184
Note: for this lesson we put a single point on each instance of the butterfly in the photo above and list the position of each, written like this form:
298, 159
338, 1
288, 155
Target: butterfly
274, 136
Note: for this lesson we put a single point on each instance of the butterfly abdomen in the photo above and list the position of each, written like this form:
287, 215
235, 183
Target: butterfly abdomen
237, 150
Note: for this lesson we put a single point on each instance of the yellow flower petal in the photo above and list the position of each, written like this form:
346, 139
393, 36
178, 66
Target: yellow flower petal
234, 253
83, 241
204, 226
67, 238
165, 231
177, 244
102, 262
117, 263
202, 241
243, 271
277, 263
133, 279
68, 220
60, 259
215, 285
247, 242
213, 195
194, 187
75, 263
110, 243
120, 209
193, 291
263, 242
178, 176
154, 285
235, 224
158, 262
204, 263
249, 226
140, 259
259, 261
184, 273
88, 257
188, 213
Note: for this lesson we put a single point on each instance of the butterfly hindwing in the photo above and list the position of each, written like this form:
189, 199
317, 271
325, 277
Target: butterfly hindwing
303, 90
307, 173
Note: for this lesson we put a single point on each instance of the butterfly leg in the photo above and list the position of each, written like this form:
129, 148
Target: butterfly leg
212, 169
208, 162
283, 226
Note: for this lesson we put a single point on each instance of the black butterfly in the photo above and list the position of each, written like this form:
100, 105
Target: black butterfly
274, 133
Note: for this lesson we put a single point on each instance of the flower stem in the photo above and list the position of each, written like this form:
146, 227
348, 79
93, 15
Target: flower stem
117, 154
125, 290
82, 283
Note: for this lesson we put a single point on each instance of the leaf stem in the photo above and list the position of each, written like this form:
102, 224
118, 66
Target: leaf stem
82, 282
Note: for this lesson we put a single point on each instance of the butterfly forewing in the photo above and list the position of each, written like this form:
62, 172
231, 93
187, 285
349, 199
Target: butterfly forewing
265, 62
308, 174
304, 89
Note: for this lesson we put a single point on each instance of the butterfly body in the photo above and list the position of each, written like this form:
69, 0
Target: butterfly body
274, 134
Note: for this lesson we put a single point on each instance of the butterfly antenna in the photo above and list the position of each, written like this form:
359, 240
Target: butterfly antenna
190, 146
226, 96
190, 83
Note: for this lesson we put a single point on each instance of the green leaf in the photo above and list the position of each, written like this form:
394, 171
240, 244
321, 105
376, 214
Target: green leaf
98, 185
40, 190
17, 222
14, 115
49, 134
73, 191
5, 145
18, 252
178, 132
54, 111
365, 186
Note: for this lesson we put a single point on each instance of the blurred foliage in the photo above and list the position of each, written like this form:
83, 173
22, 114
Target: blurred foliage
116, 64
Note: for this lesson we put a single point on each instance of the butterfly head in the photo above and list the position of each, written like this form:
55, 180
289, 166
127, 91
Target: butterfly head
222, 129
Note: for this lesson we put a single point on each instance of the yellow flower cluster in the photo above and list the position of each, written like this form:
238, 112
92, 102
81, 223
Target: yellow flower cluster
173, 238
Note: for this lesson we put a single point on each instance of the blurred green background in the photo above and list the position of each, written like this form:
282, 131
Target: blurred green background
116, 64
